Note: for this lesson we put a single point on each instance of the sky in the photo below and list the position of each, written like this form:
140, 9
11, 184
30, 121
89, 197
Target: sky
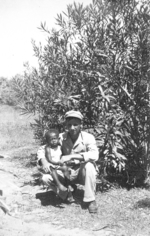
19, 22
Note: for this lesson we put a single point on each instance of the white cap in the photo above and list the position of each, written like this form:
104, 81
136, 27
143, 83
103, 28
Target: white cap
75, 114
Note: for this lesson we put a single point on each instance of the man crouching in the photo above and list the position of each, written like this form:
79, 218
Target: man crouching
78, 147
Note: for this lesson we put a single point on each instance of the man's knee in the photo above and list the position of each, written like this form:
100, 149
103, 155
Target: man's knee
90, 171
87, 171
89, 167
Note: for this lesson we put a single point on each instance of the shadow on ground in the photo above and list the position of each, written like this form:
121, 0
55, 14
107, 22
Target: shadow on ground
144, 203
50, 198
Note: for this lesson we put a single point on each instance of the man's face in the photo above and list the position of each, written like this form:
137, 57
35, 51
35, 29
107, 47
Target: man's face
74, 127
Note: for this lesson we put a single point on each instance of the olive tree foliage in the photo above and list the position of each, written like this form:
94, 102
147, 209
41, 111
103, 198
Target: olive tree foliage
97, 61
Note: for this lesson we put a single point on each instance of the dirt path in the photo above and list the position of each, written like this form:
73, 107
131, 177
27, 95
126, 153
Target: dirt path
28, 214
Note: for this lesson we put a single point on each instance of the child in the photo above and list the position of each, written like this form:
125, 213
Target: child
50, 162
53, 156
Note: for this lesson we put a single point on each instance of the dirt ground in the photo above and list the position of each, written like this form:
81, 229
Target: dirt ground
33, 210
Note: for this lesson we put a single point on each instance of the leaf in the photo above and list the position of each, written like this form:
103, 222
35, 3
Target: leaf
118, 133
119, 155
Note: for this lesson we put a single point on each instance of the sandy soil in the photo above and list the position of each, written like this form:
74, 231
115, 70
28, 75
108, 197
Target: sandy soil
27, 215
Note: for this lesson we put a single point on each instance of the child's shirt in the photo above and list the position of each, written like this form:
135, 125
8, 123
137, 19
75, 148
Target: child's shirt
55, 153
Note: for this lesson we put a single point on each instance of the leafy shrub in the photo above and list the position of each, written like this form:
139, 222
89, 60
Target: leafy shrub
97, 62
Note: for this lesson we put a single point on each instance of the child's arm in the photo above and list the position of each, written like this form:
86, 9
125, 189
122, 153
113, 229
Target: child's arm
45, 165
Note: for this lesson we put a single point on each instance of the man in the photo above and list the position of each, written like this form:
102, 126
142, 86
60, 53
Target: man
80, 147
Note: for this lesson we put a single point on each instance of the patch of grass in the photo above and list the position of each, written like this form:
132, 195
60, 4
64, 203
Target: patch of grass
15, 130
120, 209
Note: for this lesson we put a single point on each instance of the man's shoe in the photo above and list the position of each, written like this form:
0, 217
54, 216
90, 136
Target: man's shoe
92, 207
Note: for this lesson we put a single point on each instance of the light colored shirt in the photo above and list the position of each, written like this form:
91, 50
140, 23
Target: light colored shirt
84, 145
55, 153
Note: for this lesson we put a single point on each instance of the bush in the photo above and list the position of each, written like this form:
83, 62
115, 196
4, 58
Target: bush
98, 63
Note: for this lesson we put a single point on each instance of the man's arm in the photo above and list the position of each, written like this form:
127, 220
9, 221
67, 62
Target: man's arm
71, 157
91, 153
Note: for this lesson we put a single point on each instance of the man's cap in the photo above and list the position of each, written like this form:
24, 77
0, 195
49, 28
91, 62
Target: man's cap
75, 114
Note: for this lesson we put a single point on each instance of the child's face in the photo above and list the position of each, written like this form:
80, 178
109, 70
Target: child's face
53, 140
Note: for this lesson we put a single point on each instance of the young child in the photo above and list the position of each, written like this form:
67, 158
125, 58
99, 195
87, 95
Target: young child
53, 155
51, 164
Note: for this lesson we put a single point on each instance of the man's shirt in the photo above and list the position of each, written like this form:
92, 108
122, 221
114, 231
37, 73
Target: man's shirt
84, 145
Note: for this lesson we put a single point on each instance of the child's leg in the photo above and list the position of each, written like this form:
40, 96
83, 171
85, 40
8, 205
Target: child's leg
57, 181
65, 171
